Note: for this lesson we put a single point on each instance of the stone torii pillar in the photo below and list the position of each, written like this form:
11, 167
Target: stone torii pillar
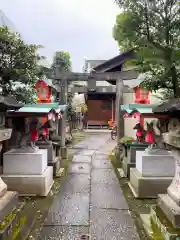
119, 116
63, 92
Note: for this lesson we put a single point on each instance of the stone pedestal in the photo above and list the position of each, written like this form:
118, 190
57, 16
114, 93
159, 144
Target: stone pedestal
49, 146
158, 164
152, 175
27, 173
52, 154
130, 160
170, 202
8, 200
164, 229
15, 162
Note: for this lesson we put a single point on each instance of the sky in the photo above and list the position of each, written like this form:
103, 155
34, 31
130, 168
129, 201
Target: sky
81, 27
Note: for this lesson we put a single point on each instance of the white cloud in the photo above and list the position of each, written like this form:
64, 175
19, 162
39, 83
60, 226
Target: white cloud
81, 27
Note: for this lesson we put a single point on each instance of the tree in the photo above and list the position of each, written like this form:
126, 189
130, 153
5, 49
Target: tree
62, 61
18, 65
151, 27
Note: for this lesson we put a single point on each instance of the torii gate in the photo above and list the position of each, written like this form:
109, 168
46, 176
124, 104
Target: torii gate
61, 79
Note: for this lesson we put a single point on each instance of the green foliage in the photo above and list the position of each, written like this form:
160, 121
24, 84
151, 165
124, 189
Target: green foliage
126, 140
156, 232
62, 60
152, 28
18, 63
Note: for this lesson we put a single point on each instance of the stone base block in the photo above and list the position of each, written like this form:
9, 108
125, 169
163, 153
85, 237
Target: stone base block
49, 147
126, 165
170, 209
121, 173
8, 203
30, 185
147, 187
24, 163
56, 165
154, 165
64, 152
132, 153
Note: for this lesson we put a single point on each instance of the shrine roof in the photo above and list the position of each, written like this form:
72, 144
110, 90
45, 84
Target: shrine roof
115, 62
49, 82
54, 105
168, 106
141, 108
7, 103
39, 109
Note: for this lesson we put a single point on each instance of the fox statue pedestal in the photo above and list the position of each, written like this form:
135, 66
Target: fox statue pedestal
26, 171
153, 173
130, 160
8, 199
170, 202
53, 154
166, 215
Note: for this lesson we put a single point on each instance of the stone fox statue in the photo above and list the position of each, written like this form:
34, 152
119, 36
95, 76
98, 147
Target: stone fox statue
30, 135
48, 132
36, 131
139, 132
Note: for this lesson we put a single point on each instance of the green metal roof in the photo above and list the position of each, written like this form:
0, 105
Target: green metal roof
144, 110
141, 108
42, 108
34, 110
54, 106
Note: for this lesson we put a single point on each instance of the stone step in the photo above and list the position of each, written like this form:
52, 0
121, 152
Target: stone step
8, 224
162, 227
145, 218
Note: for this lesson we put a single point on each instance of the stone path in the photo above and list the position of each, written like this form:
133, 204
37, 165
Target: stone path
90, 201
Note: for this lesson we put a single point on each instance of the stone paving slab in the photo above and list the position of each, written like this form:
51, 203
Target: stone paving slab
79, 168
63, 233
104, 176
100, 156
69, 209
81, 159
76, 183
87, 152
107, 196
112, 225
101, 163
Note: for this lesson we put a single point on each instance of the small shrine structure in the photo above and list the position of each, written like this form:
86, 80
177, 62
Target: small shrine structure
44, 89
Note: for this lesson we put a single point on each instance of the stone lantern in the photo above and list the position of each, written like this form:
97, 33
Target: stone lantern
170, 202
8, 199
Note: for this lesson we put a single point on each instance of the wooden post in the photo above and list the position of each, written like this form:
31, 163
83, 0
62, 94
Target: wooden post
119, 116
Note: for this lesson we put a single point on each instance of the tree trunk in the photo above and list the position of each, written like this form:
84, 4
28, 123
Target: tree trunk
174, 77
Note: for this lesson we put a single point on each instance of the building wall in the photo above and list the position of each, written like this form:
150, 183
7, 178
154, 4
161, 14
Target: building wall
100, 108
129, 123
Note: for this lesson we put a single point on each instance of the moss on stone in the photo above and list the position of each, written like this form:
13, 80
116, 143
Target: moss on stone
156, 232
17, 228
7, 220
